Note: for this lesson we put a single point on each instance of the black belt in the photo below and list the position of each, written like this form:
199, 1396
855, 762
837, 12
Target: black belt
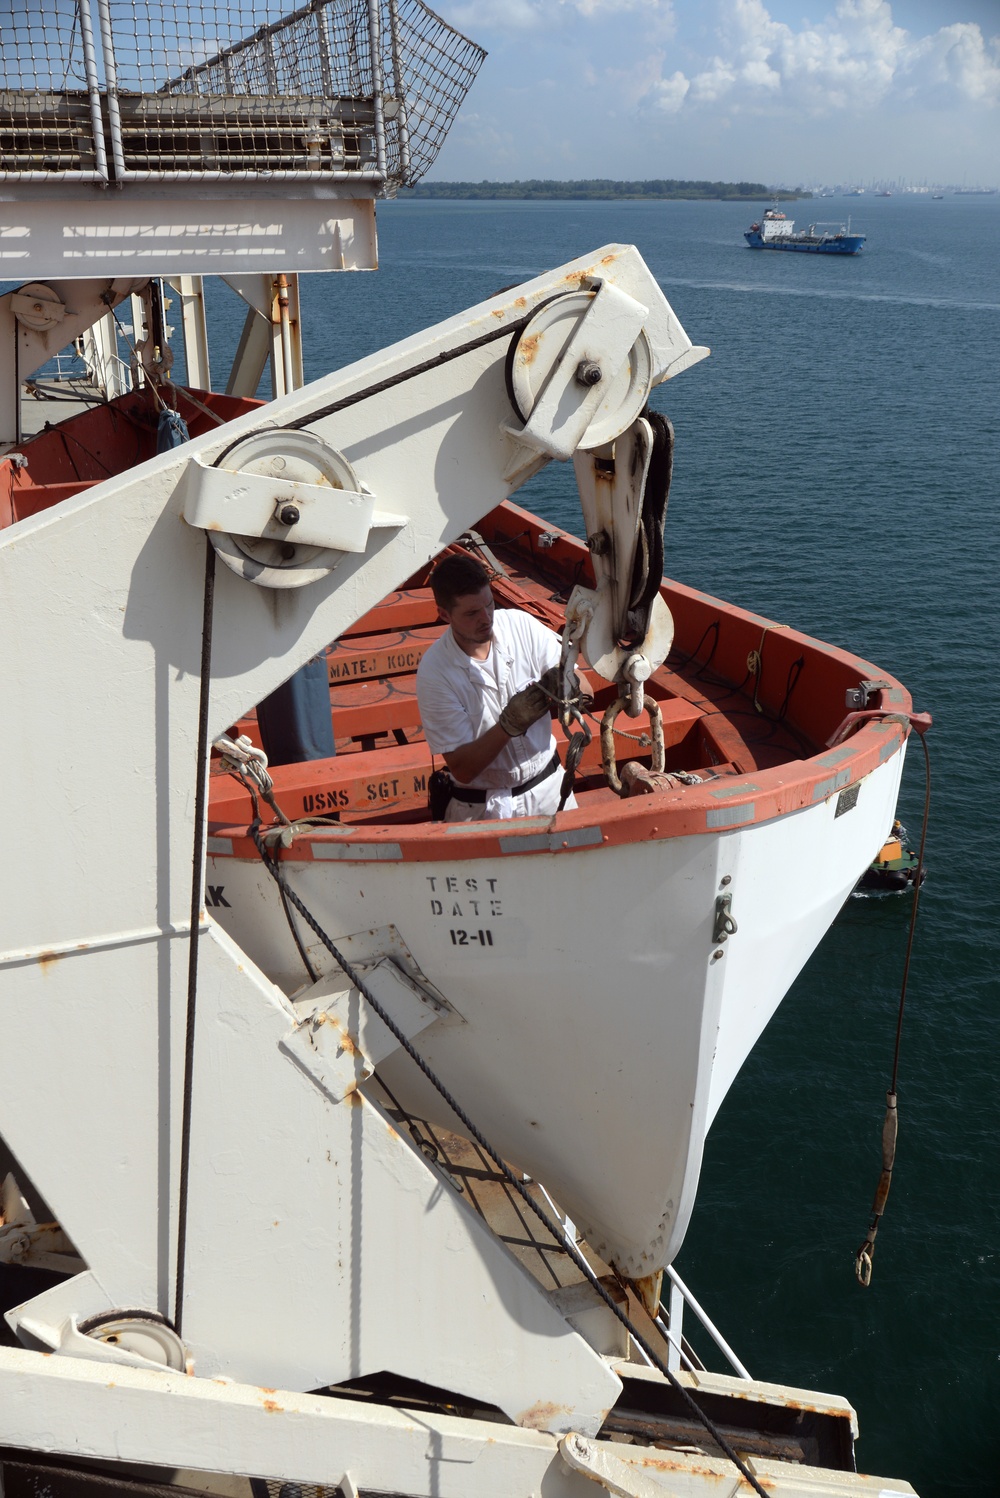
478, 798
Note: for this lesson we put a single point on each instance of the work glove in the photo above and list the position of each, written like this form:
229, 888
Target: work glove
579, 695
525, 708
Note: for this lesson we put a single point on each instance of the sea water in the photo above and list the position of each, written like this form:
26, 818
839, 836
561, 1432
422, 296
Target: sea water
835, 470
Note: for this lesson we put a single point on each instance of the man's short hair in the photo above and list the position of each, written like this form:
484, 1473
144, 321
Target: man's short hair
456, 576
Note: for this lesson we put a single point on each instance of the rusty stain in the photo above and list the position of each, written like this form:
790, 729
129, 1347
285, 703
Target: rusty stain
354, 1099
662, 1465
528, 347
273, 1407
48, 959
541, 1415
813, 1409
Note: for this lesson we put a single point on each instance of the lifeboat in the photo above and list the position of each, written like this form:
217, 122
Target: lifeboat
606, 971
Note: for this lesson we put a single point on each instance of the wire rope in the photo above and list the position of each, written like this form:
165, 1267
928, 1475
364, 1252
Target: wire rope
474, 1133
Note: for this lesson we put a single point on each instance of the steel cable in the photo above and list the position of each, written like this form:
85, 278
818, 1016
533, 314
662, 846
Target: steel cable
890, 1125
197, 874
474, 1133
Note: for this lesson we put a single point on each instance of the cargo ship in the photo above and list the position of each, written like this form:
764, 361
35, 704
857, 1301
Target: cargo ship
777, 232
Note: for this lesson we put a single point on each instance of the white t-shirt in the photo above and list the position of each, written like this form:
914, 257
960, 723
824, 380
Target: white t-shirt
460, 698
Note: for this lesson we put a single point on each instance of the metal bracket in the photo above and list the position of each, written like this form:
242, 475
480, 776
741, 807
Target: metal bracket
597, 1463
339, 1042
286, 510
725, 926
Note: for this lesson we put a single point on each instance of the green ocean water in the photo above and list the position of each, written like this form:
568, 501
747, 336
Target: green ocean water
835, 470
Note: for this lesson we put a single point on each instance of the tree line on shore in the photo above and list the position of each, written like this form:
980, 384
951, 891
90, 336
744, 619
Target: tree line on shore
596, 187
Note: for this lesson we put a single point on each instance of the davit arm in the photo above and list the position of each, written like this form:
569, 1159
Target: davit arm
319, 505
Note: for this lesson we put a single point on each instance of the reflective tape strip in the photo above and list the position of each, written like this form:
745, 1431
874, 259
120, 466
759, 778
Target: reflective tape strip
730, 816
553, 842
836, 755
221, 845
358, 852
827, 787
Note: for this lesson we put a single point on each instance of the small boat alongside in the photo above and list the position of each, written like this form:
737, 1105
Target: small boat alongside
775, 231
895, 868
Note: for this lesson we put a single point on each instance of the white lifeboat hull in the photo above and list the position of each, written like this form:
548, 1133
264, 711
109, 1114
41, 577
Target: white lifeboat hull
594, 1004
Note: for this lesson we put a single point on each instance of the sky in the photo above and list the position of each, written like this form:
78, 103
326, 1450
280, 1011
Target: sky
773, 91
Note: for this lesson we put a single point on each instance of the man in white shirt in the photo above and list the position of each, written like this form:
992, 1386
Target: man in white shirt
481, 704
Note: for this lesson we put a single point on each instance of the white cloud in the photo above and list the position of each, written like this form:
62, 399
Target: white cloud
856, 59
958, 58
668, 94
475, 16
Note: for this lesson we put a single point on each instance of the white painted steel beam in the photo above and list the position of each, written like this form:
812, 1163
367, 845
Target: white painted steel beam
165, 1419
252, 354
110, 844
194, 326
114, 234
307, 1209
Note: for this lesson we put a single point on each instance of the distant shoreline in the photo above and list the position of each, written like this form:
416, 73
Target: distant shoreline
656, 190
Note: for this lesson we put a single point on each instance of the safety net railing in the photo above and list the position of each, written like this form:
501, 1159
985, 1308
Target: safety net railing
179, 90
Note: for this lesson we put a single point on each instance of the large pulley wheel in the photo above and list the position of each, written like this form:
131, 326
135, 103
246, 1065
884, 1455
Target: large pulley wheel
288, 457
143, 1333
545, 343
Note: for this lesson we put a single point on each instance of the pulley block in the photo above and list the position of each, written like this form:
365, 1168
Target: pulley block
581, 371
282, 507
142, 1334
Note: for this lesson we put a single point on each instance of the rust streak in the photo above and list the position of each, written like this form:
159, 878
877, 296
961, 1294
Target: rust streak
46, 960
541, 1415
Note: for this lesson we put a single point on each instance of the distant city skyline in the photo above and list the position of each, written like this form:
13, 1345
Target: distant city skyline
791, 91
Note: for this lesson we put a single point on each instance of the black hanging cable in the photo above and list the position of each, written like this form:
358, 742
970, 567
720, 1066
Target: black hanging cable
579, 1259
890, 1125
197, 872
510, 329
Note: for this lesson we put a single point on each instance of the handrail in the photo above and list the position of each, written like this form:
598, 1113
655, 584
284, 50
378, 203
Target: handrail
709, 1325
679, 1297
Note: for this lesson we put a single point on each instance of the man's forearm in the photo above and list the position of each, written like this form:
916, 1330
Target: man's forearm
469, 760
